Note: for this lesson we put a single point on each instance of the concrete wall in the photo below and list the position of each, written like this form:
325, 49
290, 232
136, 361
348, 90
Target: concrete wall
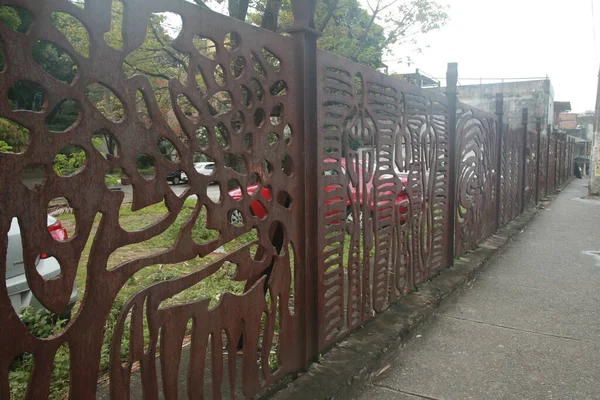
537, 96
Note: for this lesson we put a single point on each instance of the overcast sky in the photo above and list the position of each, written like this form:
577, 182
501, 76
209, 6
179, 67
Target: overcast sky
515, 39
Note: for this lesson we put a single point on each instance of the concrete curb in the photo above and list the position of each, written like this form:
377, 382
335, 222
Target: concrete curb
355, 359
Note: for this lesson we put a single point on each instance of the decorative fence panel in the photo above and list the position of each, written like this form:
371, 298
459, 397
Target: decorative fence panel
477, 160
383, 158
511, 183
531, 168
332, 191
543, 169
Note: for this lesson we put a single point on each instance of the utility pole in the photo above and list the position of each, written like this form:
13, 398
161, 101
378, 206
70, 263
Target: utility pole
595, 159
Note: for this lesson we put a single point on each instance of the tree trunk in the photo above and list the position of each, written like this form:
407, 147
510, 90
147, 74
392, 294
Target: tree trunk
238, 9
270, 19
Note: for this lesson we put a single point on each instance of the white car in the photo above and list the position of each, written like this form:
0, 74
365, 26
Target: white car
48, 267
205, 168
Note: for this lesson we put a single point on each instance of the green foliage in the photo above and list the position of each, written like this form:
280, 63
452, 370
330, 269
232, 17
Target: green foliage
43, 325
69, 163
13, 135
347, 34
10, 17
4, 147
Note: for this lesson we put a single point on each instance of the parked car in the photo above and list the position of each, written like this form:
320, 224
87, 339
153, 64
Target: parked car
48, 267
401, 201
177, 177
205, 168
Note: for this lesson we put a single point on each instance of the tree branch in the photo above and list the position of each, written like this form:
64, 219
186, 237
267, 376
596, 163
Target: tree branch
332, 9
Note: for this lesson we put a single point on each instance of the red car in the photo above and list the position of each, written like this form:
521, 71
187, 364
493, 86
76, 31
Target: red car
401, 201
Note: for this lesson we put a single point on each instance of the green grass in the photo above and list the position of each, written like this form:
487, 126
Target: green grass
212, 287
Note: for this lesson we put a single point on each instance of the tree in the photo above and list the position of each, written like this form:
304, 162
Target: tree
348, 29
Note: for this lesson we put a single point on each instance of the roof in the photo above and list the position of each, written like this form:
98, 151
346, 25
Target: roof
562, 106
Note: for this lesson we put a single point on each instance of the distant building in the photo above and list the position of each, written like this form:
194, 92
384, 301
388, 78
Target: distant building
420, 78
536, 95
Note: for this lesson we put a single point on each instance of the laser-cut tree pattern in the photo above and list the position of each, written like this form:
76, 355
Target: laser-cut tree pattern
243, 113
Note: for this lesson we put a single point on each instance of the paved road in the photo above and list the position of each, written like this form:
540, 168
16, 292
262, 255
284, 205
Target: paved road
529, 328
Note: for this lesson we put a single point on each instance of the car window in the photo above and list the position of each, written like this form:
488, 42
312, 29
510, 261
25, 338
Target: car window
209, 167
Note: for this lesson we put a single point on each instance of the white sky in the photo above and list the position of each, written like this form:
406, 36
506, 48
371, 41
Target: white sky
518, 38
514, 39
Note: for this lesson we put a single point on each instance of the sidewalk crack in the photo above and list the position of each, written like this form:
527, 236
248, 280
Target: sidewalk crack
421, 396
520, 330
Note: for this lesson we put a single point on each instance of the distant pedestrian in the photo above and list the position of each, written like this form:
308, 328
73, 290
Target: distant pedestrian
577, 170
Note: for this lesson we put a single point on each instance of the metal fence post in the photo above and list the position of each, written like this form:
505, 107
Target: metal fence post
556, 160
500, 153
538, 159
524, 120
451, 94
305, 44
548, 136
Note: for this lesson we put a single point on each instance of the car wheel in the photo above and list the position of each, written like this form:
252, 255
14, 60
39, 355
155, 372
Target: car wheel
236, 218
176, 180
350, 217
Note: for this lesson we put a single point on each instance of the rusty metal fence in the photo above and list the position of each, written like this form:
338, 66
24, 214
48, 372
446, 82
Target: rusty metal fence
353, 188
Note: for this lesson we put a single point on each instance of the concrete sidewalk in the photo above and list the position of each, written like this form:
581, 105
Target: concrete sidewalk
529, 327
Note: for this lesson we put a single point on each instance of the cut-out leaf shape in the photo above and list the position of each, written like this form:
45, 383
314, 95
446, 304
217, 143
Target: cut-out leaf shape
78, 3
259, 117
64, 115
232, 41
114, 37
237, 122
236, 162
287, 165
276, 115
169, 22
55, 61
272, 60
258, 68
273, 139
220, 76
246, 98
145, 166
279, 88
247, 142
17, 19
201, 82
222, 135
267, 167
74, 31
188, 109
167, 149
26, 95
33, 175
238, 65
69, 161
236, 218
201, 234
287, 134
106, 102
220, 103
235, 190
205, 46
202, 137
257, 89
142, 109
106, 144
15, 138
